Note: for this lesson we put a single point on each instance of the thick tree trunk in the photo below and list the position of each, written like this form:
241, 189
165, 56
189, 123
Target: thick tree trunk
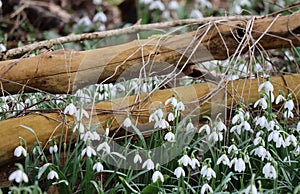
195, 97
65, 71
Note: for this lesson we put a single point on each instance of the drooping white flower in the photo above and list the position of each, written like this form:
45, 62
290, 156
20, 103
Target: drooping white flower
137, 158
289, 105
205, 127
240, 165
290, 139
53, 149
148, 164
89, 151
180, 106
101, 17
195, 13
267, 86
279, 99
18, 176
251, 189
232, 148
158, 5
80, 128
157, 175
261, 121
52, 174
20, 151
221, 126
127, 122
298, 127
185, 160
88, 135
173, 5
97, 2
2, 47
98, 167
85, 21
269, 171
190, 126
170, 137
104, 146
260, 151
262, 102
70, 109
194, 163
207, 172
171, 100
224, 159
171, 117
288, 114
80, 113
178, 172
206, 189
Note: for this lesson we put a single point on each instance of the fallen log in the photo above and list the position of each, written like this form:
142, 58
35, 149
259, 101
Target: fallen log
66, 71
139, 108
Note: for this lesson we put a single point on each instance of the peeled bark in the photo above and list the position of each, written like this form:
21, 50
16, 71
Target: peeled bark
65, 71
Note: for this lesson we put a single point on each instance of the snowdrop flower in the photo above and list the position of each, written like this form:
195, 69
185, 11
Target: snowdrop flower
251, 189
53, 149
261, 121
260, 152
269, 171
88, 135
85, 21
195, 13
137, 158
145, 88
194, 163
206, 188
180, 106
170, 137
289, 105
52, 174
233, 149
185, 160
80, 128
89, 151
267, 86
101, 17
207, 172
224, 159
239, 165
104, 146
20, 151
98, 167
298, 127
173, 5
148, 164
70, 109
171, 117
178, 172
127, 122
157, 175
290, 139
97, 2
18, 176
214, 137
2, 47
145, 2
288, 114
171, 100
205, 127
279, 99
37, 150
190, 126
157, 4
80, 113
262, 102
221, 126
259, 140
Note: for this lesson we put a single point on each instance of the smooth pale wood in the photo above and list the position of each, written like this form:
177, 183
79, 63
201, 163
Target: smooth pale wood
115, 111
65, 71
